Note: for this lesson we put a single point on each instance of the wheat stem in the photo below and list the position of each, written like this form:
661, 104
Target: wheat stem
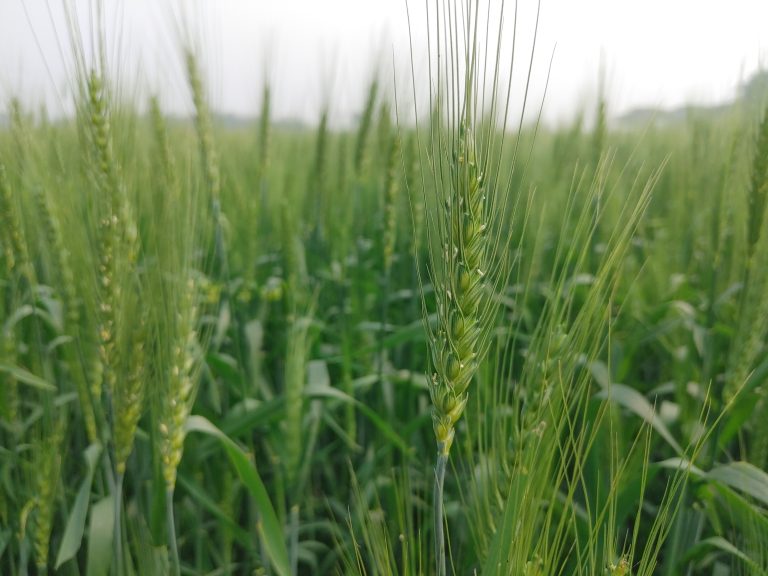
442, 460
118, 529
294, 539
173, 544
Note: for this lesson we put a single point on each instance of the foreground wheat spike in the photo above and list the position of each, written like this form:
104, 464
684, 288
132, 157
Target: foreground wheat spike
456, 347
467, 230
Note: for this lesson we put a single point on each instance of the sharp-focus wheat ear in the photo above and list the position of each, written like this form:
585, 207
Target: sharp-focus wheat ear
467, 228
457, 346
468, 218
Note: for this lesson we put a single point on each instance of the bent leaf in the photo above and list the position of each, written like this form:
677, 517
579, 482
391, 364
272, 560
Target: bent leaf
100, 534
315, 391
26, 377
635, 402
725, 546
270, 527
744, 477
73, 533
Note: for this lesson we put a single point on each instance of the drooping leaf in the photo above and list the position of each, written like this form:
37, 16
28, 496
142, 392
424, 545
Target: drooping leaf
724, 545
636, 403
200, 495
73, 532
378, 421
100, 532
497, 560
681, 464
269, 527
5, 536
744, 477
26, 377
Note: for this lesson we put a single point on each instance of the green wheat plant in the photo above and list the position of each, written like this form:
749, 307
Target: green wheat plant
468, 218
450, 340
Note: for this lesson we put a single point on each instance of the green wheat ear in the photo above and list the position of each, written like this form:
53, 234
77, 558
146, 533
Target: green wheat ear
457, 346
467, 222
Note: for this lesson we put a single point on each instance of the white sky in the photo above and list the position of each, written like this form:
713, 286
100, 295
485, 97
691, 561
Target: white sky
654, 52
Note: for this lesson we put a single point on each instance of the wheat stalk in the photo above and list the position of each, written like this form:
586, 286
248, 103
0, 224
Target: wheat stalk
467, 219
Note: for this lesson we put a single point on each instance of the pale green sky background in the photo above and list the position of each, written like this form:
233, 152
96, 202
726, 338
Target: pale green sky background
655, 52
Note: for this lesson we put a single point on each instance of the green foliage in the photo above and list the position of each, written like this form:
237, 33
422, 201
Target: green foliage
595, 313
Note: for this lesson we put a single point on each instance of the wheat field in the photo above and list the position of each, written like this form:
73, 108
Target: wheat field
440, 341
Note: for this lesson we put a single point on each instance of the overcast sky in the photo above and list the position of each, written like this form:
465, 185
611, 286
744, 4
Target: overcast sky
654, 52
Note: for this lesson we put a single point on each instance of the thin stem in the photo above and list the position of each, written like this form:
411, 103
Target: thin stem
176, 564
385, 386
118, 536
263, 548
442, 460
294, 540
